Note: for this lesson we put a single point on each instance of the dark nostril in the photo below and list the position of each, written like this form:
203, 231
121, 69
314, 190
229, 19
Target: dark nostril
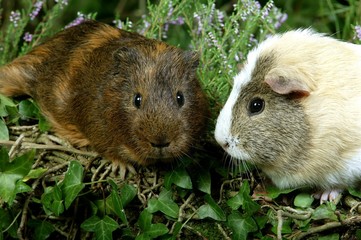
160, 145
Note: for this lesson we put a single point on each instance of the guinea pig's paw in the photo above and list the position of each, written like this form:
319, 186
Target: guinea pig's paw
331, 195
120, 169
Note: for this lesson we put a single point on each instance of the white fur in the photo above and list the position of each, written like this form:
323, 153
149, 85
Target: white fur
223, 127
333, 106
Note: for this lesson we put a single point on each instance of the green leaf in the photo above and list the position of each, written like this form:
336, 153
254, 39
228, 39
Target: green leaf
244, 200
211, 210
52, 200
157, 230
204, 181
28, 109
303, 200
165, 204
354, 192
325, 211
127, 194
35, 173
145, 220
43, 123
241, 226
11, 173
273, 192
42, 229
148, 229
5, 101
103, 228
179, 177
117, 204
21, 187
4, 131
73, 182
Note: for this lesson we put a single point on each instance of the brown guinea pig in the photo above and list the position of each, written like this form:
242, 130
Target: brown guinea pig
133, 99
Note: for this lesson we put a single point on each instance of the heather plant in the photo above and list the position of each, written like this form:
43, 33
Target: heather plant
49, 189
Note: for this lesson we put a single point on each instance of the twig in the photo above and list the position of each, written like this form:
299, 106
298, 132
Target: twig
327, 226
15, 146
184, 205
27, 145
279, 225
97, 171
24, 218
225, 235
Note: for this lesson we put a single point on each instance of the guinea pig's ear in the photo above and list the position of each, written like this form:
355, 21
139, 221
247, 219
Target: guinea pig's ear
287, 81
192, 58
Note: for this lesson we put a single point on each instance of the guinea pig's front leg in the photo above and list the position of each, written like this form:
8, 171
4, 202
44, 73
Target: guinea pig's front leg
327, 195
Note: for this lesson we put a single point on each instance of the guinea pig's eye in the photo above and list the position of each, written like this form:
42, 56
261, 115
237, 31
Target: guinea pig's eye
256, 106
180, 99
137, 100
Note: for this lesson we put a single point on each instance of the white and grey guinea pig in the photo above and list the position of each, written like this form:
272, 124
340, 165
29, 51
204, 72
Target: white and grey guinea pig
295, 112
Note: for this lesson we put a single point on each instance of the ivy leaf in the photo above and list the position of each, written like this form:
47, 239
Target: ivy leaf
52, 200
127, 193
354, 192
325, 211
103, 228
27, 109
179, 177
73, 182
165, 204
5, 102
241, 226
303, 200
273, 192
145, 220
244, 200
157, 230
211, 210
149, 230
204, 181
117, 204
4, 131
42, 229
12, 172
35, 173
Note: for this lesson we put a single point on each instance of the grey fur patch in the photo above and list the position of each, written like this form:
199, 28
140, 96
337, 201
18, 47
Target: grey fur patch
277, 137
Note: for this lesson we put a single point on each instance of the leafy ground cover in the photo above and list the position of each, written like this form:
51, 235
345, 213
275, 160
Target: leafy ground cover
50, 190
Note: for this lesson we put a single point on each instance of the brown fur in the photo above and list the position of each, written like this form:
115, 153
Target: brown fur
85, 79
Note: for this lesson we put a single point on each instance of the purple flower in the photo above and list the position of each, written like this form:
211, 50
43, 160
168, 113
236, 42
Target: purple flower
280, 20
266, 10
15, 17
28, 37
81, 18
358, 32
37, 7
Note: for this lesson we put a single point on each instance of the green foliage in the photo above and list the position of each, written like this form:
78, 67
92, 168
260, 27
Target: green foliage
194, 199
12, 173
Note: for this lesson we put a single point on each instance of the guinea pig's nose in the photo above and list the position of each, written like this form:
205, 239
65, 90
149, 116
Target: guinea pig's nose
160, 144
